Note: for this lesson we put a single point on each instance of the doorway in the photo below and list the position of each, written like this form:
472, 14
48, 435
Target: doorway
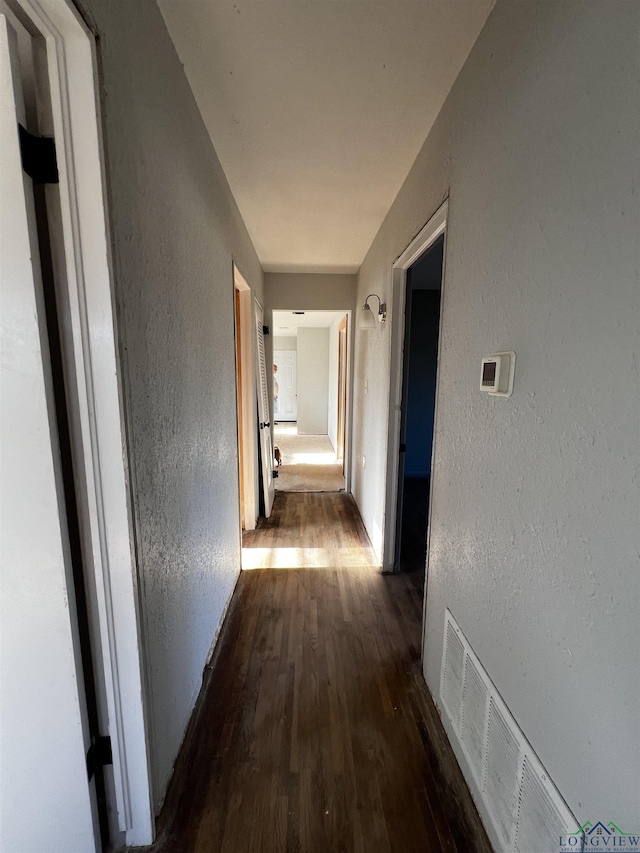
418, 271
66, 523
310, 391
421, 336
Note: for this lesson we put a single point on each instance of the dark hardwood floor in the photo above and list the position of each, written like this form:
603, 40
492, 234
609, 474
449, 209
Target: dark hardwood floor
310, 734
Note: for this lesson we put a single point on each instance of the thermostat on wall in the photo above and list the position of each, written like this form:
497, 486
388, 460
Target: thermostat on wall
497, 374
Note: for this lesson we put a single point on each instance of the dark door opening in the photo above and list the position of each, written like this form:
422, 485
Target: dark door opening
422, 323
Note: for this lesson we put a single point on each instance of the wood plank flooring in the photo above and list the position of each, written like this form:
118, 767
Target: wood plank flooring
310, 735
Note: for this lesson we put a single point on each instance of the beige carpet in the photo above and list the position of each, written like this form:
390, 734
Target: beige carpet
308, 462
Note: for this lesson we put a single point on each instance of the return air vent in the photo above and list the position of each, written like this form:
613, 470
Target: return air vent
504, 755
475, 696
539, 815
452, 673
526, 809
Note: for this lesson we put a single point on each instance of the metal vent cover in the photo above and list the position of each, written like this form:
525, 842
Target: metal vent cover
527, 812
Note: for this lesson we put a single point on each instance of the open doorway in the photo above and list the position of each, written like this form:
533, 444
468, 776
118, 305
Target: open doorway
415, 335
66, 522
310, 378
421, 334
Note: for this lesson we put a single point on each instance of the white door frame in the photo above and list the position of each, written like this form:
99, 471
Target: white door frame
248, 435
348, 455
105, 513
434, 228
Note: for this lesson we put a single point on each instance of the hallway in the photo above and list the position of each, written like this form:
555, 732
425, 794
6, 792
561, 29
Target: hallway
311, 733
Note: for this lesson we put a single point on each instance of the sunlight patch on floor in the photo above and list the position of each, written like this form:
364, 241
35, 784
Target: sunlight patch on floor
302, 558
282, 429
304, 449
312, 458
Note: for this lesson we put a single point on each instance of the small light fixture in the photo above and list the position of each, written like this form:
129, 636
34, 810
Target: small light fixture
366, 318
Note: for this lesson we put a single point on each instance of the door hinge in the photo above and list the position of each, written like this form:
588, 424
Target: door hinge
403, 448
38, 155
99, 754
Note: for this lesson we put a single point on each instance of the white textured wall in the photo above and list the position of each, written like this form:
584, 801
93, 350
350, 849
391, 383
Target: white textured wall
313, 381
534, 539
175, 229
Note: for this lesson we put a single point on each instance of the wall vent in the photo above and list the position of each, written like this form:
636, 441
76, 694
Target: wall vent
526, 809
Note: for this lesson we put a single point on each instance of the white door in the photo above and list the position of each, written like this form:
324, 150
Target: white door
266, 444
45, 797
287, 402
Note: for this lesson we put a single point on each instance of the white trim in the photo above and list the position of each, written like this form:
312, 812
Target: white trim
105, 513
348, 456
434, 228
249, 438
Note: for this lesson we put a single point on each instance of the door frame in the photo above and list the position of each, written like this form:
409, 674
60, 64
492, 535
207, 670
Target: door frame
343, 373
435, 227
92, 361
246, 397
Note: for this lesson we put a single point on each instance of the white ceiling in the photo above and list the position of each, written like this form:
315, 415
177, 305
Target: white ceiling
318, 108
286, 323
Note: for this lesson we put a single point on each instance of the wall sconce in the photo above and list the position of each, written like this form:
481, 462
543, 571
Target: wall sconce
366, 318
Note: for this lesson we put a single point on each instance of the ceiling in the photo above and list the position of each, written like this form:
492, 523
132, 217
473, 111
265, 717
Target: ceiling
286, 323
318, 108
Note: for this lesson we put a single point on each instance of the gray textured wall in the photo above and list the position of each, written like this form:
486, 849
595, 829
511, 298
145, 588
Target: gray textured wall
176, 229
286, 291
534, 539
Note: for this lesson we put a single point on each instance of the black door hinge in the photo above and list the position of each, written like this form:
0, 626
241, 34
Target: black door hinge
403, 448
99, 754
38, 157
265, 330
